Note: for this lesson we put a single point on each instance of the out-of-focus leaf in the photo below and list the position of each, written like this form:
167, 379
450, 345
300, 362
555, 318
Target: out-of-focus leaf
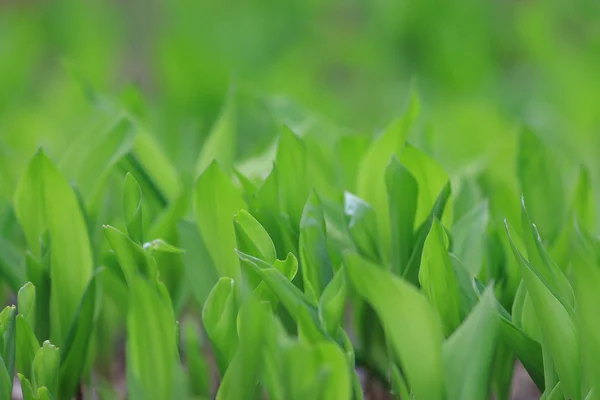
216, 201
160, 246
45, 368
156, 165
132, 208
541, 184
586, 275
197, 365
199, 267
370, 180
252, 238
438, 280
315, 263
220, 144
412, 326
7, 350
558, 329
77, 344
583, 202
291, 161
240, 380
468, 234
26, 303
219, 318
10, 265
555, 394
40, 276
362, 225
472, 347
152, 365
332, 303
44, 200
402, 192
351, 150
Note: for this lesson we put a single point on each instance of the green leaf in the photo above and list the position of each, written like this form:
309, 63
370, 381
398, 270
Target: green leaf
26, 301
412, 326
438, 280
402, 192
472, 347
555, 394
152, 352
586, 275
7, 348
131, 256
44, 200
10, 265
27, 346
199, 267
26, 389
45, 368
332, 304
541, 184
558, 330
220, 144
252, 238
583, 202
370, 181
291, 161
39, 274
216, 201
350, 149
219, 318
132, 208
77, 345
160, 246
469, 237
198, 368
240, 380
412, 271
362, 225
316, 266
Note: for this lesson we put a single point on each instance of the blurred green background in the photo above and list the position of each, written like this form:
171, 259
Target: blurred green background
481, 68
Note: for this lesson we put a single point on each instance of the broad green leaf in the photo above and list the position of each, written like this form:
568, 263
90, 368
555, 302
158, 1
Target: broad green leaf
583, 202
240, 380
131, 256
503, 371
412, 271
350, 150
44, 394
26, 302
431, 179
7, 348
78, 342
291, 161
332, 303
219, 318
132, 208
541, 184
467, 294
45, 368
220, 144
156, 165
586, 277
402, 192
289, 269
412, 327
338, 383
555, 394
198, 368
316, 266
39, 275
370, 180
216, 201
538, 257
438, 280
362, 225
558, 330
472, 347
44, 200
152, 355
10, 265
27, 347
469, 235
26, 389
252, 238
199, 267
